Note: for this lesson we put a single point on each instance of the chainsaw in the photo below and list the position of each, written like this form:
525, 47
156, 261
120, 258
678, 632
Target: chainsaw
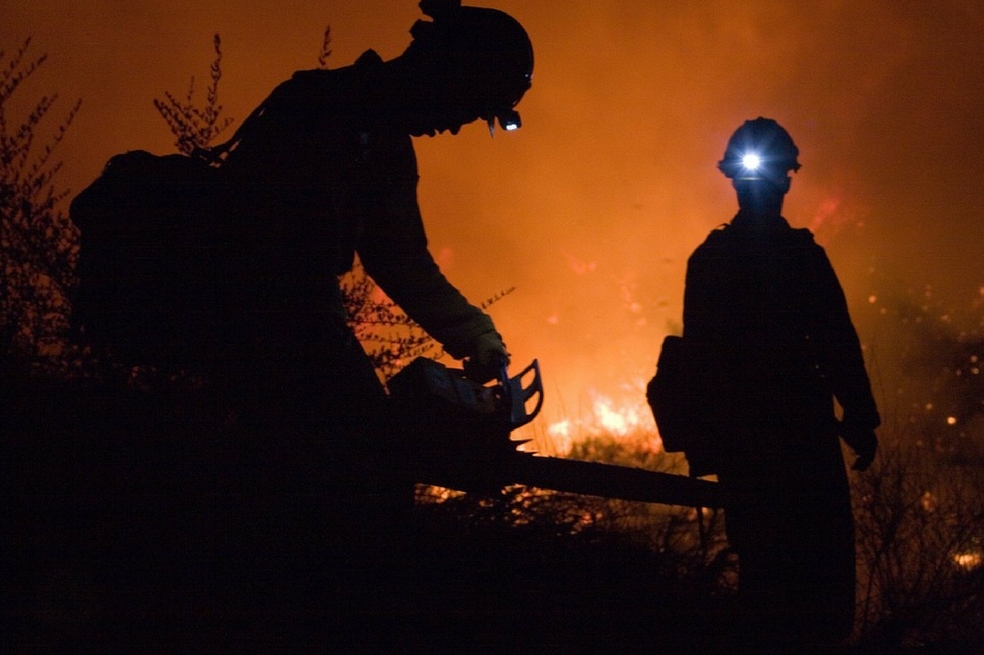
447, 417
457, 434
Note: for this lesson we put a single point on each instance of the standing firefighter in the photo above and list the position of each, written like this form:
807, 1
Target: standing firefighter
767, 314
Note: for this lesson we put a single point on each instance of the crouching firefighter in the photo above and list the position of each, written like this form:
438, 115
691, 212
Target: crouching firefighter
325, 170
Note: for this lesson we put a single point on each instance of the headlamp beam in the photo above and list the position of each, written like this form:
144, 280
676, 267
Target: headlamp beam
751, 161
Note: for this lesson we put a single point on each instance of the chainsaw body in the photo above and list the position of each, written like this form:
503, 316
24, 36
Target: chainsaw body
450, 422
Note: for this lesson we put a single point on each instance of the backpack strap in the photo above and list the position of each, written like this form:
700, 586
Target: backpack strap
216, 155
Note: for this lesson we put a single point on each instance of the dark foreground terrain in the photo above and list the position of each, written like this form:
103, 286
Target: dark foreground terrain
129, 528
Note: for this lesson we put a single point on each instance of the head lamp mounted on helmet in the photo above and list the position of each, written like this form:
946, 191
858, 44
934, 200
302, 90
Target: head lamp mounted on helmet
508, 119
760, 150
753, 166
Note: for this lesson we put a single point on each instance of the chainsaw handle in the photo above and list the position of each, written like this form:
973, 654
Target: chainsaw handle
515, 395
502, 373
495, 370
504, 383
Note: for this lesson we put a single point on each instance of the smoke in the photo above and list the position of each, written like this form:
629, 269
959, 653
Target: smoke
592, 209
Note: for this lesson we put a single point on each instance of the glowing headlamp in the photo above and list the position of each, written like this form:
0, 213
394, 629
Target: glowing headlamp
508, 120
751, 162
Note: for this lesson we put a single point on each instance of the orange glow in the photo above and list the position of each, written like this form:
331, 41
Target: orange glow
625, 416
969, 561
616, 420
592, 208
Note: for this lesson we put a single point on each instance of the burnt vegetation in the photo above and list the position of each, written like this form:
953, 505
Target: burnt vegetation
521, 566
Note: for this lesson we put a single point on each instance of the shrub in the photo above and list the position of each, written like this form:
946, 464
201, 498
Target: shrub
38, 243
920, 528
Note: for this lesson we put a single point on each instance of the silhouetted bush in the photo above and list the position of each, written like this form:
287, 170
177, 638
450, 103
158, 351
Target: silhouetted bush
194, 127
921, 548
38, 244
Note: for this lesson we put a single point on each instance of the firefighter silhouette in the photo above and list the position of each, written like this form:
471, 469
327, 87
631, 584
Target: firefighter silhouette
764, 304
324, 170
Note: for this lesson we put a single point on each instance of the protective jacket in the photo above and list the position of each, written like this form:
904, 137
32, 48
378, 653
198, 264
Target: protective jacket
347, 176
766, 303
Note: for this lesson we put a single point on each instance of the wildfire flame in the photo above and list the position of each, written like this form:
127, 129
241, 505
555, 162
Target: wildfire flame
969, 561
616, 418
622, 417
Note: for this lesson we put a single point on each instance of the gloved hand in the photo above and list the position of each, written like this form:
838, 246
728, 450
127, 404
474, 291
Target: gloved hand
863, 442
488, 355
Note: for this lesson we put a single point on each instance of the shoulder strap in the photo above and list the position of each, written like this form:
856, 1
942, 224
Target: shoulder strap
216, 155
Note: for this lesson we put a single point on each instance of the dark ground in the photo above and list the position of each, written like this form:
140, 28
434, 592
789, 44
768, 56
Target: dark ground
130, 530
133, 527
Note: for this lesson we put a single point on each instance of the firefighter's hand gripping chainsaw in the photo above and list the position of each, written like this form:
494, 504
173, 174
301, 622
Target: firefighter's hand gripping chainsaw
456, 427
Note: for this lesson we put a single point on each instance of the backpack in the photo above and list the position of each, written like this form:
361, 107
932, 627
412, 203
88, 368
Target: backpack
685, 396
151, 230
161, 259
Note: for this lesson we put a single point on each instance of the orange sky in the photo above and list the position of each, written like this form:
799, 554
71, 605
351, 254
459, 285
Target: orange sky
591, 209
